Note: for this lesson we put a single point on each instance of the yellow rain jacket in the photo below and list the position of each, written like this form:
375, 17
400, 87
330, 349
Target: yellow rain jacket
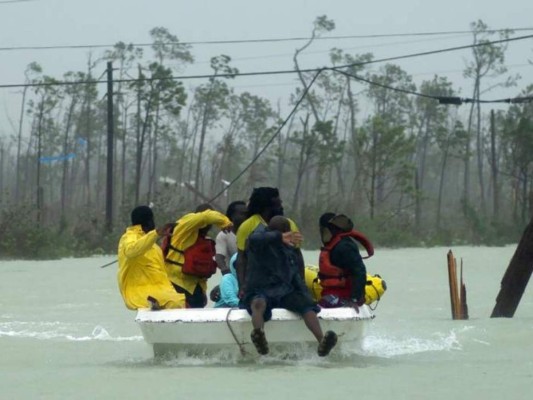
184, 236
141, 271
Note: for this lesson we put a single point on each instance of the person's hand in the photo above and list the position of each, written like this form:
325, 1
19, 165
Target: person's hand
297, 238
227, 228
240, 294
292, 238
165, 230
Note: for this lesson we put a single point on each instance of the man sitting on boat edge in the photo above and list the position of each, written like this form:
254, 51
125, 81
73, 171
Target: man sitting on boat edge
264, 204
142, 278
273, 280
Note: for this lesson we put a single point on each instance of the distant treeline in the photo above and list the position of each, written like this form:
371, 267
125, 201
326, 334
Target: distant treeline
408, 170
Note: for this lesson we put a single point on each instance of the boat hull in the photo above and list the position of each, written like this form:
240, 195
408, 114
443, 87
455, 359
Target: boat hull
214, 329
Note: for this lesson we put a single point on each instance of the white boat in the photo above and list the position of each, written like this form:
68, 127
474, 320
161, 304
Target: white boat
214, 329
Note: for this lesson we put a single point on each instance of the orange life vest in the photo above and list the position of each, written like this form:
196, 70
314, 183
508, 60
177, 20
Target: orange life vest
199, 258
330, 275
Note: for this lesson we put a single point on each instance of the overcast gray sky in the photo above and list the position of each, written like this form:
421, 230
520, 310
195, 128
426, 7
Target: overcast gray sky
83, 22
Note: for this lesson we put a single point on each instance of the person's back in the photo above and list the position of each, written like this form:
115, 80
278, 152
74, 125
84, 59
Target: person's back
141, 269
188, 235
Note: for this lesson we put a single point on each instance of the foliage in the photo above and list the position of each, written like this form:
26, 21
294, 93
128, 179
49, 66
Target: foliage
360, 143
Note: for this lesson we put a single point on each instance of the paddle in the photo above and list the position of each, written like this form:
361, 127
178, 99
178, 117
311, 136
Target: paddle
108, 264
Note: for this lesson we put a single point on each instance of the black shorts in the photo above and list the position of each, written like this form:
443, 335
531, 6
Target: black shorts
197, 299
296, 301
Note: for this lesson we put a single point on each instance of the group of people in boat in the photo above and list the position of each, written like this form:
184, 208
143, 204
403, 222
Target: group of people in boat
258, 253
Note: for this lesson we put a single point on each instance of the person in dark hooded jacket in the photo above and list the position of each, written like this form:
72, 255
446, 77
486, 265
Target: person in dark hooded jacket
273, 280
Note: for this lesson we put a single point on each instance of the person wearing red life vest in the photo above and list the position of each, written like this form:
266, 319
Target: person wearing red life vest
342, 271
190, 254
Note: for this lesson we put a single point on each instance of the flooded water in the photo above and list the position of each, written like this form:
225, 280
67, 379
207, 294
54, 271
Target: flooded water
64, 333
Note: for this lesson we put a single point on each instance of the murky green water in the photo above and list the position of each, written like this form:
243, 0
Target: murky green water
64, 333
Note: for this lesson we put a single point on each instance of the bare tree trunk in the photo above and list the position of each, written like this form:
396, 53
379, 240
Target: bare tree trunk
302, 164
203, 131
2, 155
441, 183
480, 154
19, 144
152, 185
141, 137
466, 193
420, 170
39, 155
123, 159
373, 175
138, 154
524, 196
65, 163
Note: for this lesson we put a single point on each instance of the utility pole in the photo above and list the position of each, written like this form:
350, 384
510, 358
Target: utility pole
516, 277
110, 159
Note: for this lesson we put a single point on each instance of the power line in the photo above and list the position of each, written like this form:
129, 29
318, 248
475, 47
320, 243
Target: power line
307, 88
445, 50
14, 1
269, 142
441, 99
278, 72
256, 41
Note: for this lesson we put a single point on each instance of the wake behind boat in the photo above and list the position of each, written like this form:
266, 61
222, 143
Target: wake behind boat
216, 329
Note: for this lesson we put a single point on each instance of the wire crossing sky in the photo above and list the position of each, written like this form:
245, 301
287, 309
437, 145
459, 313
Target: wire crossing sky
260, 38
271, 40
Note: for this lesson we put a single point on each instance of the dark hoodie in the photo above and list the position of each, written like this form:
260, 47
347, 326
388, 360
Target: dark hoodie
272, 266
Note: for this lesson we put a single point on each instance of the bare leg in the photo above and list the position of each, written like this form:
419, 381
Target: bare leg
312, 323
325, 342
258, 307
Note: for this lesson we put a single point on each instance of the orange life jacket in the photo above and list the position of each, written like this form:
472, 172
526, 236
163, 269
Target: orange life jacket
199, 258
330, 275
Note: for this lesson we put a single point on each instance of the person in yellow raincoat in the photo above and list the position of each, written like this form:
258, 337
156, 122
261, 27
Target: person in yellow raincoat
142, 278
188, 232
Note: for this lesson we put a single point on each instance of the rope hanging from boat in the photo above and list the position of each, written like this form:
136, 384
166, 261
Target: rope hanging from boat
241, 345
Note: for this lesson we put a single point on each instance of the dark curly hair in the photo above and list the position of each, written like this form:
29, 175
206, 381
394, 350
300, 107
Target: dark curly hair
261, 199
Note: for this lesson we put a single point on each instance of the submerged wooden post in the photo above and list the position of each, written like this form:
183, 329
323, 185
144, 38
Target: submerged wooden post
452, 281
516, 276
464, 305
457, 295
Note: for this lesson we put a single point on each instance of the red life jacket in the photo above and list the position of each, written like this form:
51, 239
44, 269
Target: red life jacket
199, 258
330, 275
